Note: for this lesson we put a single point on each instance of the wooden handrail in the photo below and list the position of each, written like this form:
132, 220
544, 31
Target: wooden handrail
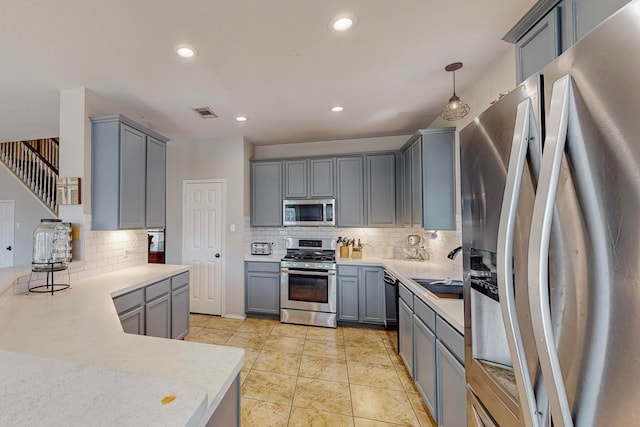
37, 152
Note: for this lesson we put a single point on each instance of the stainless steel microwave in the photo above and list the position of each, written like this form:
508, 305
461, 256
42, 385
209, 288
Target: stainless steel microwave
306, 212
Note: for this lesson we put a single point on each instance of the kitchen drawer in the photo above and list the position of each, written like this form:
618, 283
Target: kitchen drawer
406, 295
450, 337
157, 289
348, 270
265, 267
425, 313
128, 301
180, 280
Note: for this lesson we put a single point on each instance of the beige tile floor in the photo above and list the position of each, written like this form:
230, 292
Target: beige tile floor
308, 376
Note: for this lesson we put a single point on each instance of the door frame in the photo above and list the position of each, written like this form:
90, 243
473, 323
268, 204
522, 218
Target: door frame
13, 242
185, 182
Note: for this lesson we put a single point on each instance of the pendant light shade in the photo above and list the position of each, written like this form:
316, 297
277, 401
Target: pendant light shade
455, 108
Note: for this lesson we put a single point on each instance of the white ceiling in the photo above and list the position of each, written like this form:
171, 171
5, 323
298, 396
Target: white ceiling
274, 61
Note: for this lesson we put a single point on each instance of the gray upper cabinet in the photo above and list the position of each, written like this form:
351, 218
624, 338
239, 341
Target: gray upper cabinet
429, 180
551, 26
406, 188
381, 190
321, 178
266, 194
416, 183
120, 176
308, 178
350, 198
295, 179
539, 46
156, 183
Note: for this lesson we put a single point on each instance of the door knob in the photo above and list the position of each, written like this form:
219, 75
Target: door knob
217, 255
8, 248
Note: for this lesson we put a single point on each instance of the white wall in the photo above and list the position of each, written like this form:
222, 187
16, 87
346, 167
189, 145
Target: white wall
220, 158
28, 211
330, 148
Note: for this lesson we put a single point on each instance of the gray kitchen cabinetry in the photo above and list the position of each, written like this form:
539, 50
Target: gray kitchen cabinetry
361, 294
266, 194
407, 210
156, 180
433, 352
381, 190
160, 309
432, 188
350, 200
262, 293
308, 178
451, 390
550, 27
125, 158
130, 309
180, 305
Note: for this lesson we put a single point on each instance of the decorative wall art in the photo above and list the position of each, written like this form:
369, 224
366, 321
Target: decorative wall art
68, 191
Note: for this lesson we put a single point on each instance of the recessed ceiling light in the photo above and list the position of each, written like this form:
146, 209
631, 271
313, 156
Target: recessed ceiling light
343, 23
337, 109
241, 119
186, 52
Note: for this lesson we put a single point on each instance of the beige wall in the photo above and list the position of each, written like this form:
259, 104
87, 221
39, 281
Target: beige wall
499, 77
220, 158
330, 148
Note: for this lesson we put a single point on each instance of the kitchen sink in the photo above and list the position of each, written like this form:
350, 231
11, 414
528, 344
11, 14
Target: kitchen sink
442, 288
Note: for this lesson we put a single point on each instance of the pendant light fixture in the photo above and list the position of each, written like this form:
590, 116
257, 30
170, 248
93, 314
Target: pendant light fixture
455, 109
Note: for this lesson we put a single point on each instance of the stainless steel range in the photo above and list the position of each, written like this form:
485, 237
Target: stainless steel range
308, 282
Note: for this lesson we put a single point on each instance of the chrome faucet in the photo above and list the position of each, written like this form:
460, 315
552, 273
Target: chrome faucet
454, 253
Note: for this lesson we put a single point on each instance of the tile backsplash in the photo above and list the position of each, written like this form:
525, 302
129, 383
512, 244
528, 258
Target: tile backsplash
105, 251
374, 239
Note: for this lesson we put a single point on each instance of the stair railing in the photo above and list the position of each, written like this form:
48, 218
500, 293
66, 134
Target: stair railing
35, 163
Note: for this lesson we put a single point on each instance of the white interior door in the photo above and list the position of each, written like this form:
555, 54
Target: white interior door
6, 233
202, 243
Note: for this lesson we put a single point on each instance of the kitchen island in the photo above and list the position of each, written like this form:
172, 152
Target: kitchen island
176, 382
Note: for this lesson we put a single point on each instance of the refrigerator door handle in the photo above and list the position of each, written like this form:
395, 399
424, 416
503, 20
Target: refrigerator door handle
538, 266
524, 127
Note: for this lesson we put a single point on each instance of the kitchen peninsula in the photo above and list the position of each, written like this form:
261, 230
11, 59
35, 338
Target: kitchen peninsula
101, 373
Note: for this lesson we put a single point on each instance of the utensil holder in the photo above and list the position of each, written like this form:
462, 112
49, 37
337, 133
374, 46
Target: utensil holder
344, 251
356, 253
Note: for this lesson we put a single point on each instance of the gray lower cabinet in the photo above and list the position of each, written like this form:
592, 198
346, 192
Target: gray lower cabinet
180, 309
127, 175
160, 309
133, 321
405, 335
262, 288
350, 195
451, 390
361, 294
424, 366
433, 350
381, 190
266, 194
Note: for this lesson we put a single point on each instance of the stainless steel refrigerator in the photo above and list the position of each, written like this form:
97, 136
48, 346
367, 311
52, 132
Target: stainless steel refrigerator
551, 241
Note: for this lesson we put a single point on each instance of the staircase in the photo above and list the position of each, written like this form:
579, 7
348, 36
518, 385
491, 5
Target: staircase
35, 163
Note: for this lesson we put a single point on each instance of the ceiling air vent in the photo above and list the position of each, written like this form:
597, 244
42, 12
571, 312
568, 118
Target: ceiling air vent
205, 112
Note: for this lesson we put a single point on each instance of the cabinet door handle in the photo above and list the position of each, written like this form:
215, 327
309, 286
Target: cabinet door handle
217, 255
9, 247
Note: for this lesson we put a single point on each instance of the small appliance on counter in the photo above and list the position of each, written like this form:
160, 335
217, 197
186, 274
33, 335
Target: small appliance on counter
261, 248
413, 251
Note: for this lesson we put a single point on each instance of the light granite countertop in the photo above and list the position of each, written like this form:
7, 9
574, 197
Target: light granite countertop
80, 326
449, 309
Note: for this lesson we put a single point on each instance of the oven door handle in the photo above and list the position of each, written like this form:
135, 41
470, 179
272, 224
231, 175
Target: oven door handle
307, 273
